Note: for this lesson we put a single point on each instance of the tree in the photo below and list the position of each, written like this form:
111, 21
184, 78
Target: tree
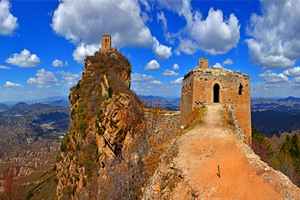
294, 149
255, 130
262, 147
12, 190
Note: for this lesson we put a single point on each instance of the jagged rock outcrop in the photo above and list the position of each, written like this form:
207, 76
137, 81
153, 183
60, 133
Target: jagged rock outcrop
106, 122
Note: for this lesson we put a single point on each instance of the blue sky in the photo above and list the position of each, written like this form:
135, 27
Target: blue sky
43, 43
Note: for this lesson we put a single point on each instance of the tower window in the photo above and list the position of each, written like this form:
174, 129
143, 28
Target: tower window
240, 89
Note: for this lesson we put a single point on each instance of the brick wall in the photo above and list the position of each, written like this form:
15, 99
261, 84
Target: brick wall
198, 86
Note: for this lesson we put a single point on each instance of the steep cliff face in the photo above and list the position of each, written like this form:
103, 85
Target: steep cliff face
106, 122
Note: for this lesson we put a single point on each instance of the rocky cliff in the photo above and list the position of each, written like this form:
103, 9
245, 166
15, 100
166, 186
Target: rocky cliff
106, 125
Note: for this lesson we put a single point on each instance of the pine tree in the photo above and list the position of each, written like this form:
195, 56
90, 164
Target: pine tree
294, 149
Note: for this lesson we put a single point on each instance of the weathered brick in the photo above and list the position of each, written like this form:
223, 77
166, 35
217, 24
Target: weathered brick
234, 87
106, 42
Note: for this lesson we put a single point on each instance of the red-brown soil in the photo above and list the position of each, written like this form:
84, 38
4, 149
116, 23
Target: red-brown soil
242, 174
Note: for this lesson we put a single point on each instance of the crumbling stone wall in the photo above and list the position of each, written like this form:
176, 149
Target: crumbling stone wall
234, 88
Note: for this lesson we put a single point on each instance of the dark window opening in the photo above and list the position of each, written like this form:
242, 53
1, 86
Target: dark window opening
240, 89
216, 93
105, 40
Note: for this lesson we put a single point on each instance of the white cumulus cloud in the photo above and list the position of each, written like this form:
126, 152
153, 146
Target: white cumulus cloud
160, 51
43, 78
86, 22
227, 62
12, 85
156, 82
271, 77
140, 77
69, 79
4, 67
161, 18
292, 72
152, 65
297, 80
175, 67
214, 35
177, 81
83, 50
275, 42
59, 63
24, 59
169, 73
8, 23
217, 65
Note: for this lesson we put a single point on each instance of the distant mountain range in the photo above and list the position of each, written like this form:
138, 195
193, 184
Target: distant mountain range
289, 99
276, 116
271, 116
45, 100
166, 103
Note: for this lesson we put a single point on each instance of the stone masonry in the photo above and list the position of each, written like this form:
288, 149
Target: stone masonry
205, 85
106, 42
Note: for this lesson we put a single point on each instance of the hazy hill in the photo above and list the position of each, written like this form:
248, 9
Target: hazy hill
170, 104
22, 125
276, 116
289, 99
3, 107
60, 104
275, 122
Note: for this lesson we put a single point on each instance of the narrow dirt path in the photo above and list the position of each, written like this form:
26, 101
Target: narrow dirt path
242, 175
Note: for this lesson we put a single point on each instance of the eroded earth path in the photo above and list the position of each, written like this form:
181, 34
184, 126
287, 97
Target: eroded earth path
242, 174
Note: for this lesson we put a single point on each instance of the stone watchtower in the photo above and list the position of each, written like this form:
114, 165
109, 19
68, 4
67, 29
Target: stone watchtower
205, 85
203, 63
106, 42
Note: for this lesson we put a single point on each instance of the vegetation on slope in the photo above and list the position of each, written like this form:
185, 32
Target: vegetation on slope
280, 153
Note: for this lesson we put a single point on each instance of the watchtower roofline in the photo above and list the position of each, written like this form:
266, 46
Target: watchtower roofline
106, 42
213, 72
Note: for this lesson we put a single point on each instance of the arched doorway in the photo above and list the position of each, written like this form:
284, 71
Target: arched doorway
216, 93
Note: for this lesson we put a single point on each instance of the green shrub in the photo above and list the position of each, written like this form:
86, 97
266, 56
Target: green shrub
58, 158
77, 86
63, 146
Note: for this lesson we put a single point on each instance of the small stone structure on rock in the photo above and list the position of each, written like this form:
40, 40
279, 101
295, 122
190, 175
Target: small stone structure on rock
106, 42
204, 85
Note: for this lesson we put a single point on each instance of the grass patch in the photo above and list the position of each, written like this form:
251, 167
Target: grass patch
195, 117
227, 117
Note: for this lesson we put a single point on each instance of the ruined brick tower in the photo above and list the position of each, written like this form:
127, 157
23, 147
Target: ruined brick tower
106, 42
216, 85
203, 63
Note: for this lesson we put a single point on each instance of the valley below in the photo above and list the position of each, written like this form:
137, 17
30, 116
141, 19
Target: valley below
30, 139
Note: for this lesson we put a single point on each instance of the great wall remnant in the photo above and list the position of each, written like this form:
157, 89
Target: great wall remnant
204, 85
106, 42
